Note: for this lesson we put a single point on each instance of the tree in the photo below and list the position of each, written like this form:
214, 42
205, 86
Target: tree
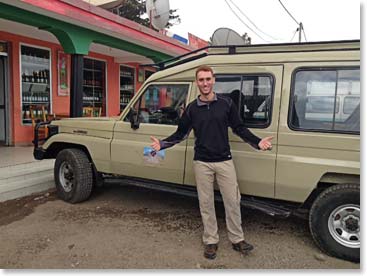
135, 9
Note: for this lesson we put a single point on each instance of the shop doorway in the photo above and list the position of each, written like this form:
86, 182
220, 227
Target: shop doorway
3, 104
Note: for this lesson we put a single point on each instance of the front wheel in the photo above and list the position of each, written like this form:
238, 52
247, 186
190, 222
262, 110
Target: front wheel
73, 175
335, 221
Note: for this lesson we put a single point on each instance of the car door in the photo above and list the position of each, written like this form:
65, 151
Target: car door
319, 132
256, 92
158, 110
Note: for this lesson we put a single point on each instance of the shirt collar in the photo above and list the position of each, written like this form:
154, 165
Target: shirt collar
201, 103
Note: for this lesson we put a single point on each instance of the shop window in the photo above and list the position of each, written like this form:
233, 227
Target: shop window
94, 87
35, 76
252, 95
162, 104
127, 85
326, 100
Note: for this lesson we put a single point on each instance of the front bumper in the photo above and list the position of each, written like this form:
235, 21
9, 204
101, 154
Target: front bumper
39, 153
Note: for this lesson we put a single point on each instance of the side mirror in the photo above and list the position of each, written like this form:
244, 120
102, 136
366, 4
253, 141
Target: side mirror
134, 118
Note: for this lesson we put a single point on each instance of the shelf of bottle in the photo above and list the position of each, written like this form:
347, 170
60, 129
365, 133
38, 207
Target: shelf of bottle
92, 70
127, 77
93, 86
27, 121
36, 103
36, 64
129, 91
28, 82
91, 101
92, 98
90, 105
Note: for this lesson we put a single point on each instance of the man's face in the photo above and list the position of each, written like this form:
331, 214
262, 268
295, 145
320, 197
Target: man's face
205, 81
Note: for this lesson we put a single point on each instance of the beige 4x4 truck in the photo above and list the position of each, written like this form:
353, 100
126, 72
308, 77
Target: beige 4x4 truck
306, 95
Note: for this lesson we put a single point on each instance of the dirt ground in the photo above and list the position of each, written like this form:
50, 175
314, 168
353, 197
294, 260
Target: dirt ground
128, 227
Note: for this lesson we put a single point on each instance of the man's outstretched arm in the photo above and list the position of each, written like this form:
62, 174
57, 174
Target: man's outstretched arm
239, 128
182, 132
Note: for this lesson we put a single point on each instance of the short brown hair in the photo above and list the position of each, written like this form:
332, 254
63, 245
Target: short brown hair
204, 68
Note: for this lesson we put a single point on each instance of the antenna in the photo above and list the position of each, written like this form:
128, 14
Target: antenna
226, 36
158, 12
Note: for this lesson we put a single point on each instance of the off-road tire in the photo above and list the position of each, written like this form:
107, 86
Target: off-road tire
330, 200
80, 179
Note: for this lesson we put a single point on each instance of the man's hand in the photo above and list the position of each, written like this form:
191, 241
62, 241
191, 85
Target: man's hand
155, 145
265, 143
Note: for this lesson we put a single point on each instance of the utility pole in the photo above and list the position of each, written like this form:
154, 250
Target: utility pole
300, 28
246, 39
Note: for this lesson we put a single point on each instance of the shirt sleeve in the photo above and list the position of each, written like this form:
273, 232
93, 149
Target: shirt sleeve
183, 130
238, 128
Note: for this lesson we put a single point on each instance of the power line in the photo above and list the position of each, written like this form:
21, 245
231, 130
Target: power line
300, 28
288, 12
251, 21
245, 23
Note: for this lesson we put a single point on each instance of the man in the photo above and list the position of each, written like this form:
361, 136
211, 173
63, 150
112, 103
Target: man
209, 116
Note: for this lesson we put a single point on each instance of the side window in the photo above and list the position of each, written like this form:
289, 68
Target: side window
229, 86
326, 100
162, 103
256, 100
350, 104
252, 95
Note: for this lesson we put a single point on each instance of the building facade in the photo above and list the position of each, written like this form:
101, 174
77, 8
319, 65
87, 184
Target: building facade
46, 45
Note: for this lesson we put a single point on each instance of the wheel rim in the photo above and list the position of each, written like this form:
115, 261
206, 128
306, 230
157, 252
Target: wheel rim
344, 225
66, 176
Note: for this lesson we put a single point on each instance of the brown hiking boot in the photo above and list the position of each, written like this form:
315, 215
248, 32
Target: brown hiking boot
210, 251
242, 247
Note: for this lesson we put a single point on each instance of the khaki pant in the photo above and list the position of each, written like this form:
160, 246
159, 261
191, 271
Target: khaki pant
225, 174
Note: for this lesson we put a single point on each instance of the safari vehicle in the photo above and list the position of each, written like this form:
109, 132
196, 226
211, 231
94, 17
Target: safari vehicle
290, 91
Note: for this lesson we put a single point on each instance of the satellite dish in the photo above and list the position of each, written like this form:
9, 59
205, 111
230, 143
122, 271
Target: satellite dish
158, 12
226, 36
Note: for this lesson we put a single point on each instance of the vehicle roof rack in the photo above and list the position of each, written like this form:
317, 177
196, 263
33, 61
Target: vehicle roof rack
256, 48
178, 60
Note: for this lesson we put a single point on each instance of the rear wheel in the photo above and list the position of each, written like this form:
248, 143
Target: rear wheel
73, 175
335, 221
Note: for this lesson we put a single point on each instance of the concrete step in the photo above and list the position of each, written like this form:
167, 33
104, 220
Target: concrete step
27, 190
29, 181
27, 175
15, 171
25, 179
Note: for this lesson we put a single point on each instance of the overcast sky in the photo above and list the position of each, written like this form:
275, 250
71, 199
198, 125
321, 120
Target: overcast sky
322, 19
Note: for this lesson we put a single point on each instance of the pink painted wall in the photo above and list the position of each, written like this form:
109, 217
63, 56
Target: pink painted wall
23, 134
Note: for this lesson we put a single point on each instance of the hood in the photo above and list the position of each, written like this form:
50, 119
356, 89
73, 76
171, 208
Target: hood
91, 126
